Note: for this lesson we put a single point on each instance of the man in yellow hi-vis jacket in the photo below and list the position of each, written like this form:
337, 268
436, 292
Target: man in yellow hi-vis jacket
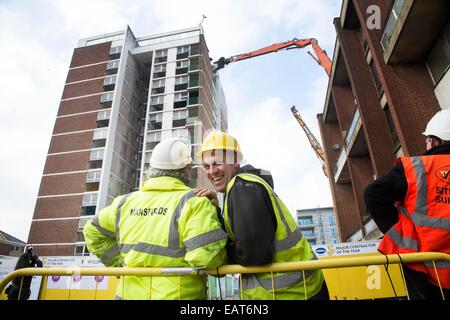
163, 225
259, 225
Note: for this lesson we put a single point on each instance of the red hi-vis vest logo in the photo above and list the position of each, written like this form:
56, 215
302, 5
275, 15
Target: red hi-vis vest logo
443, 173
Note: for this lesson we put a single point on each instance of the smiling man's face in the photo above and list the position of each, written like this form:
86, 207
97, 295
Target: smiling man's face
219, 168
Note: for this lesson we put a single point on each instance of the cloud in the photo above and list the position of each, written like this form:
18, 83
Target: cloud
272, 139
31, 85
90, 18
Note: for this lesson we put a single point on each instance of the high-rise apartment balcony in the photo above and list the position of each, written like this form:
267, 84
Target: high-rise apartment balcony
157, 103
107, 97
112, 67
152, 125
341, 171
195, 50
93, 176
159, 71
114, 52
158, 86
182, 67
192, 101
194, 65
194, 81
181, 83
93, 180
192, 121
403, 41
103, 118
89, 199
99, 138
182, 52
160, 56
353, 130
155, 121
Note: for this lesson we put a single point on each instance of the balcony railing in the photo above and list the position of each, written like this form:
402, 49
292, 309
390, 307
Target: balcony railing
352, 129
194, 67
390, 26
191, 120
340, 163
192, 100
194, 51
193, 83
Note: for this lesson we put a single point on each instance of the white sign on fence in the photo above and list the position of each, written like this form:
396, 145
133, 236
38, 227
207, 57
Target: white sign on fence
345, 248
75, 282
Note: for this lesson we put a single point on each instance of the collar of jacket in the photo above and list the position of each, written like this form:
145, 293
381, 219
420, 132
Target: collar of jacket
442, 149
164, 183
263, 174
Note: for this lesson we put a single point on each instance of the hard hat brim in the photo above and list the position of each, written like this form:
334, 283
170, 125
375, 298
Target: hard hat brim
240, 156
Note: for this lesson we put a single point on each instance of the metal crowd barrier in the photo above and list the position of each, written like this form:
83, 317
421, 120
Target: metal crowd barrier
325, 264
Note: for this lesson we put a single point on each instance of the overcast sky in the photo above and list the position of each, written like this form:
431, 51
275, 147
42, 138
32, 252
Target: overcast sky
38, 38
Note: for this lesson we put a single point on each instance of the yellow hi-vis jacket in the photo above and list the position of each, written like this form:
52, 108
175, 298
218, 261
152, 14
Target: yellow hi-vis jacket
164, 225
289, 245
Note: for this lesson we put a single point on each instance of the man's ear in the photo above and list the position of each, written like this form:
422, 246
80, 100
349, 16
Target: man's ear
435, 143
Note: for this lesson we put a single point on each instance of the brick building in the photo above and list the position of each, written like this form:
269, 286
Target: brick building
10, 246
123, 95
385, 85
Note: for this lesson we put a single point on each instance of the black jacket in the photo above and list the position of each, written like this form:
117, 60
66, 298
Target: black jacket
252, 220
381, 194
22, 284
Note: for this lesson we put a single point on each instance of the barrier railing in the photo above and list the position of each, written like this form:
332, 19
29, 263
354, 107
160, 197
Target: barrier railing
325, 264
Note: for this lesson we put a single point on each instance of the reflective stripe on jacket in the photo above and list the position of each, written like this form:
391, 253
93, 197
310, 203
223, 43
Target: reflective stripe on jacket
424, 217
164, 225
289, 245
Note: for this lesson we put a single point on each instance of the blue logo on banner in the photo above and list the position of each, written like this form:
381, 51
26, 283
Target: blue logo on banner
321, 250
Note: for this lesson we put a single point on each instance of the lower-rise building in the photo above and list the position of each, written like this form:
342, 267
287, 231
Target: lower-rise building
318, 225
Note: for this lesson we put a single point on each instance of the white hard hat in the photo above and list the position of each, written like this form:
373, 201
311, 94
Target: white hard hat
171, 154
439, 125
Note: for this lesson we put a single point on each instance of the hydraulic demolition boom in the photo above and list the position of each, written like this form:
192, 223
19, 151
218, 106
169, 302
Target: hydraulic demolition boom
321, 56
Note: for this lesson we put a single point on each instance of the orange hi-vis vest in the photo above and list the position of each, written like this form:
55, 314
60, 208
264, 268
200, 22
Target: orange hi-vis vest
424, 217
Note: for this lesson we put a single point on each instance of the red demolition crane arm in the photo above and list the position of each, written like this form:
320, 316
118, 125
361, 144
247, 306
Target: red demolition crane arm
321, 56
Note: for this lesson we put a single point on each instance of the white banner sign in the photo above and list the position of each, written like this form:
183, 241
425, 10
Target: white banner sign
75, 282
345, 248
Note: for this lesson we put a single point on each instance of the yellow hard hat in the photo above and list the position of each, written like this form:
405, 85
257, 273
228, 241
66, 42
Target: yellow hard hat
218, 140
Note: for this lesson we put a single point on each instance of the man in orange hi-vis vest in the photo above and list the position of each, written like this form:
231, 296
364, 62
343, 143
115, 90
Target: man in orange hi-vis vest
411, 206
